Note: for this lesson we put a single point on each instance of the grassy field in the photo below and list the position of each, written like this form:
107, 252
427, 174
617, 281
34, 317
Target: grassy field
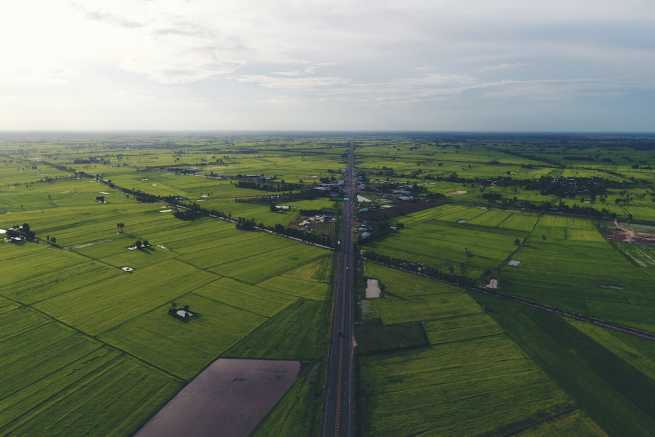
567, 263
299, 411
471, 379
104, 338
461, 240
90, 349
73, 378
613, 392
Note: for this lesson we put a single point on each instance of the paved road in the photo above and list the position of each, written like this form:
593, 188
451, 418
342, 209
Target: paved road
337, 418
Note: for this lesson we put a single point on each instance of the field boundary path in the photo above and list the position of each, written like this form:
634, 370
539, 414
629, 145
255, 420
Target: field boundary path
337, 418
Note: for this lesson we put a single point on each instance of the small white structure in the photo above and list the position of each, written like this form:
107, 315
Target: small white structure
362, 199
373, 289
514, 263
127, 269
184, 313
493, 284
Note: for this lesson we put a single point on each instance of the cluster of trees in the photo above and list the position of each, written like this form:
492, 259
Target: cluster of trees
384, 171
306, 194
388, 187
379, 219
499, 200
246, 224
571, 187
267, 185
312, 237
190, 212
92, 160
23, 231
142, 245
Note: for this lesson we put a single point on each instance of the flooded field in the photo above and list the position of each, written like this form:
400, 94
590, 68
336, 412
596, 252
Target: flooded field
228, 399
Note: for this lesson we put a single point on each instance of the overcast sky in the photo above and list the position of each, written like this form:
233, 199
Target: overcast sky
555, 65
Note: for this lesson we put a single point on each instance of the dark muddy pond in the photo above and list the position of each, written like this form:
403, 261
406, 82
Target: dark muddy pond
228, 399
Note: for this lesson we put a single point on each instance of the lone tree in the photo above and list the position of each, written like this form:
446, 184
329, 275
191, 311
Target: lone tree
120, 227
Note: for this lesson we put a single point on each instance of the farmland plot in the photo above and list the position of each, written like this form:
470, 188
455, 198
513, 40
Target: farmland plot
265, 265
306, 281
97, 308
566, 263
467, 250
282, 338
472, 379
244, 296
73, 378
462, 388
39, 287
184, 348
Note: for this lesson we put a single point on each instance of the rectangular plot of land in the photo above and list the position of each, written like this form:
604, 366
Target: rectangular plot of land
463, 388
575, 424
229, 399
465, 249
492, 218
37, 352
17, 320
449, 213
23, 401
184, 348
520, 222
461, 328
427, 307
297, 332
406, 285
297, 287
236, 249
98, 307
36, 262
245, 296
114, 398
59, 281
256, 269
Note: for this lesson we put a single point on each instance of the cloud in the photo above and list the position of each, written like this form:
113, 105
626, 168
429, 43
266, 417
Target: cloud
108, 17
333, 62
291, 80
502, 67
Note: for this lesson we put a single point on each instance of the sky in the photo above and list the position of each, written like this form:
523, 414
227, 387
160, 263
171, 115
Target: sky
465, 65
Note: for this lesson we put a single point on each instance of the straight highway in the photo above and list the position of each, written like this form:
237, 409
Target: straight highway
337, 418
